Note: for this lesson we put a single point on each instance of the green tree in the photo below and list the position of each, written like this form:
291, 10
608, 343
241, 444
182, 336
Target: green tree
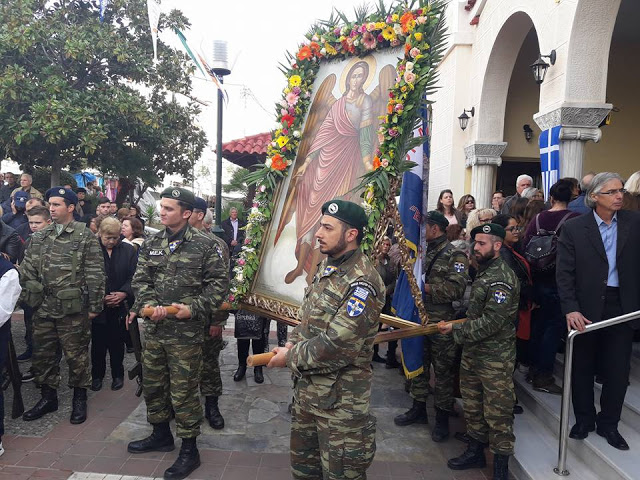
78, 92
239, 183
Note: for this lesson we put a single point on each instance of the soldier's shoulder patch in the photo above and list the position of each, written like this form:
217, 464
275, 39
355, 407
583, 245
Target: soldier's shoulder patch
357, 301
328, 270
219, 251
500, 296
156, 253
459, 267
364, 284
501, 284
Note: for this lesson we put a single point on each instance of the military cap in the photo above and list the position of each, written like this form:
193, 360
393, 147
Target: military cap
489, 229
434, 217
200, 204
62, 192
20, 199
349, 212
181, 194
81, 190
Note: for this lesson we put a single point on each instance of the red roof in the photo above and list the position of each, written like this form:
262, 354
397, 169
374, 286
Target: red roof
247, 151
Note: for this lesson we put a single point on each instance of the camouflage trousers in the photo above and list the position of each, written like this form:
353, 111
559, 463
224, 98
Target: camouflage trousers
439, 350
171, 374
488, 397
210, 382
331, 449
73, 333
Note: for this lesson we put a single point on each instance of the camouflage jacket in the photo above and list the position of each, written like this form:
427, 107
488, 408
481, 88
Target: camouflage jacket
490, 326
333, 344
219, 317
448, 278
48, 260
195, 274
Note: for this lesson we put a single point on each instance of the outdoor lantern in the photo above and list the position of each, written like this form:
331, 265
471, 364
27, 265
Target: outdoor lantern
539, 67
528, 133
464, 118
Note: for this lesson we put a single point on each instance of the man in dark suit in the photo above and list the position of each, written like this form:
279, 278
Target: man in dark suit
598, 276
233, 234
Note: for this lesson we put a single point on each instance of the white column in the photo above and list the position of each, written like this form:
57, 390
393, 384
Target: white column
484, 159
580, 123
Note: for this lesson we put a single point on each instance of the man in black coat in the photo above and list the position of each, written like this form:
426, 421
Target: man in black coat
10, 243
598, 276
233, 234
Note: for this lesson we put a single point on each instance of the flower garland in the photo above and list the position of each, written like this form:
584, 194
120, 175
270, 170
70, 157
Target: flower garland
409, 28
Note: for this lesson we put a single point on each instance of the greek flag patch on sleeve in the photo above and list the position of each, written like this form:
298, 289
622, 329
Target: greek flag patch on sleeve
459, 267
500, 296
356, 302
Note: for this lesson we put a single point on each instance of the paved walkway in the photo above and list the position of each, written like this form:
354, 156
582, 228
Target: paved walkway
252, 446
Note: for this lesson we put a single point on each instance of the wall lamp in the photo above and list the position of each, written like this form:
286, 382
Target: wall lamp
539, 67
528, 133
464, 118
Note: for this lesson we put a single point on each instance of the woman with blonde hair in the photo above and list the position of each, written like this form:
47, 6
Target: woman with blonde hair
478, 217
466, 205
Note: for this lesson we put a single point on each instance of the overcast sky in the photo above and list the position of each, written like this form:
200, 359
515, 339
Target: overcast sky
258, 32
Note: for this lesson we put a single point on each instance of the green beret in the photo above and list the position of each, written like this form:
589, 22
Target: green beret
181, 194
349, 212
434, 217
489, 229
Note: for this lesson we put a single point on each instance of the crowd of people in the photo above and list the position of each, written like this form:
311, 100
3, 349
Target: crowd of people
521, 273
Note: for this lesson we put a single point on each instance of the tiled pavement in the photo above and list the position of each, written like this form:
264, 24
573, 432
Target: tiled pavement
251, 447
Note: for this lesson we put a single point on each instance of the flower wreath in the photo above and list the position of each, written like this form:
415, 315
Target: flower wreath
421, 31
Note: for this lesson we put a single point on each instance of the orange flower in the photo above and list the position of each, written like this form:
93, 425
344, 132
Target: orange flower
389, 109
407, 47
408, 22
278, 163
304, 53
376, 163
315, 48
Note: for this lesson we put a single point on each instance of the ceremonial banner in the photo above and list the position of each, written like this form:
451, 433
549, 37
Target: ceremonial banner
410, 209
153, 9
103, 6
550, 158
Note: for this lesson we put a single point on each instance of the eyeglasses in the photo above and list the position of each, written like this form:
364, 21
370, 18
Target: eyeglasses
613, 192
513, 229
485, 220
470, 201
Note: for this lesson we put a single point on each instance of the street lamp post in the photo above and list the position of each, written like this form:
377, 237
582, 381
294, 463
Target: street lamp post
220, 66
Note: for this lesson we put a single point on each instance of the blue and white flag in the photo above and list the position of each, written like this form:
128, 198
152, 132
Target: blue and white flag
550, 158
403, 304
103, 7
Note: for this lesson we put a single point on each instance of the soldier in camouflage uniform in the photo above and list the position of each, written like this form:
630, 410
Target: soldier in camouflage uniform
211, 382
62, 277
330, 352
446, 280
488, 356
185, 268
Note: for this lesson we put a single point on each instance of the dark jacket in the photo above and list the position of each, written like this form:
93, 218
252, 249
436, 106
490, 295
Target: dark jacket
24, 231
14, 220
582, 268
577, 205
228, 235
10, 242
119, 268
520, 267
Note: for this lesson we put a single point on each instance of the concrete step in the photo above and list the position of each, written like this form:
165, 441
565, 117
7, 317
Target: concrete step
603, 460
631, 409
537, 452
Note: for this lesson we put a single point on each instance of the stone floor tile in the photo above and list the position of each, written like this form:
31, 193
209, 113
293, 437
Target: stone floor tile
105, 465
22, 442
18, 470
52, 474
237, 472
209, 471
114, 449
161, 466
12, 457
73, 462
215, 457
13, 476
142, 467
39, 459
68, 432
245, 459
274, 473
86, 447
54, 445
277, 460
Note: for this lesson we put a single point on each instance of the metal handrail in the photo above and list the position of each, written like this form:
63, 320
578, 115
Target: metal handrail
561, 469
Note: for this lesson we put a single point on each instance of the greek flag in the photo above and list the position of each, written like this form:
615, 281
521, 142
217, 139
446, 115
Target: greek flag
410, 209
103, 6
550, 158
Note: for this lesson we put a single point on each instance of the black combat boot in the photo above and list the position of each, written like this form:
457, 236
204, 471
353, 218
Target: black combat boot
417, 414
160, 440
212, 413
79, 406
391, 361
376, 354
441, 430
473, 457
188, 460
47, 404
500, 467
258, 376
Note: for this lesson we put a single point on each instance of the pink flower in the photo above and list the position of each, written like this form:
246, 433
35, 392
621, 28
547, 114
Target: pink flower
296, 90
395, 42
421, 20
384, 162
394, 132
232, 297
291, 98
284, 111
409, 77
262, 190
399, 107
255, 204
292, 111
380, 138
247, 240
414, 52
369, 41
285, 131
336, 31
380, 38
241, 261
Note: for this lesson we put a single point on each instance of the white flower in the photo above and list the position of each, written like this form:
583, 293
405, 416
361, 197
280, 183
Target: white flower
409, 66
323, 51
368, 209
255, 210
398, 29
344, 30
314, 38
356, 42
239, 278
267, 162
296, 133
262, 188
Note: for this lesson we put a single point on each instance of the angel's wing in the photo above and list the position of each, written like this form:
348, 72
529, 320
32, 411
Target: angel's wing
321, 105
380, 95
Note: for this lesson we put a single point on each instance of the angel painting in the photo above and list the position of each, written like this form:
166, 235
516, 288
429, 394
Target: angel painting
338, 145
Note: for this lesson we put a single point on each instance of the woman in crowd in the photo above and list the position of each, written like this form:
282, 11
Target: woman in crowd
122, 213
455, 232
466, 205
90, 221
533, 193
632, 196
533, 208
446, 207
107, 328
134, 211
133, 232
517, 210
548, 324
477, 217
249, 329
389, 274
